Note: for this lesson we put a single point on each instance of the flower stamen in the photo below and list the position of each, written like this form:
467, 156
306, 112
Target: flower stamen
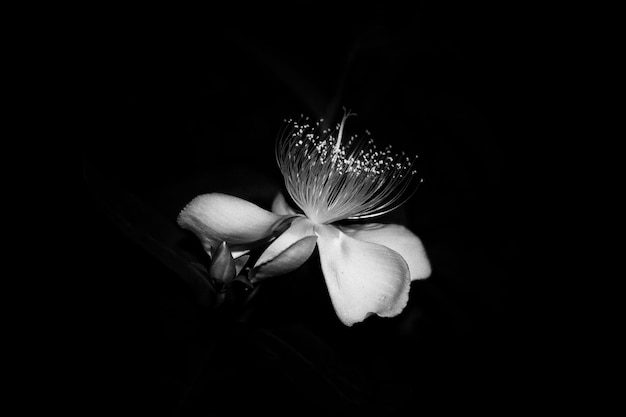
331, 181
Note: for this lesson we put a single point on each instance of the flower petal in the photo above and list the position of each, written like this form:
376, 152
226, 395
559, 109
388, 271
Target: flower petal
363, 278
290, 250
220, 217
240, 262
398, 238
239, 253
280, 205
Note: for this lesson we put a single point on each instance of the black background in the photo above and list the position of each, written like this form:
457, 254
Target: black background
179, 103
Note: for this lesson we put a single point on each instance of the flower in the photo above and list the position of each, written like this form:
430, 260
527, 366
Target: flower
368, 267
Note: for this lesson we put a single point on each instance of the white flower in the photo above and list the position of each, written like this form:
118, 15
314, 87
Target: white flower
367, 267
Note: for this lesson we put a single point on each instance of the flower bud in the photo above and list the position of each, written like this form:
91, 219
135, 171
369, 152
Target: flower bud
222, 264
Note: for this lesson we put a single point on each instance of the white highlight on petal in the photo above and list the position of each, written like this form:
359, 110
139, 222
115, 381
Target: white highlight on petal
220, 217
397, 238
239, 253
289, 251
363, 278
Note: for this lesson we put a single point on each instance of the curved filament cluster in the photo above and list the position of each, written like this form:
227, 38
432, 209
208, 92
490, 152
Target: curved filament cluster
331, 181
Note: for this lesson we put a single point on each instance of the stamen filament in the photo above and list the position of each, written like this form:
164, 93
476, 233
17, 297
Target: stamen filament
340, 134
331, 181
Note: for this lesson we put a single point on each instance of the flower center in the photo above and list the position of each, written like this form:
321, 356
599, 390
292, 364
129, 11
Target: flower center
331, 180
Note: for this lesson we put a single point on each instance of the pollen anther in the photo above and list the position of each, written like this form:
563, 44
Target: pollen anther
331, 181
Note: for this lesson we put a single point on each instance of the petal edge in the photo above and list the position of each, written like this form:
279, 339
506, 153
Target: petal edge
280, 205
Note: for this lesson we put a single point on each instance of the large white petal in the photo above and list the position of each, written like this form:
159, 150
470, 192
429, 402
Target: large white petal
363, 278
290, 250
398, 238
220, 217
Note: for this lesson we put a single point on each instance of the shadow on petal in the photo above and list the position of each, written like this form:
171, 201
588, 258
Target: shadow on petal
288, 260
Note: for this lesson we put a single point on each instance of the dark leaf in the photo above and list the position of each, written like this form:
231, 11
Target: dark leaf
315, 370
160, 236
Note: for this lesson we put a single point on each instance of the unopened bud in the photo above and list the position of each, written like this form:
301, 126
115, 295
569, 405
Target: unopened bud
222, 264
